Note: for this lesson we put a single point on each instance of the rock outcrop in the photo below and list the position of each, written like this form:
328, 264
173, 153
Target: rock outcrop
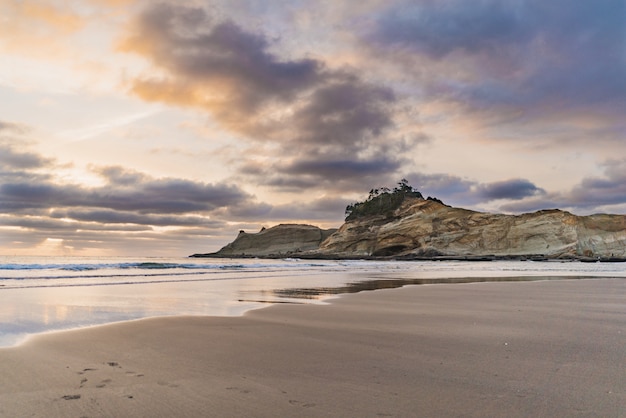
279, 241
428, 229
425, 229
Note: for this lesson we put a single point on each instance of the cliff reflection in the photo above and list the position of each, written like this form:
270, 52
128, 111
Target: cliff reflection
316, 293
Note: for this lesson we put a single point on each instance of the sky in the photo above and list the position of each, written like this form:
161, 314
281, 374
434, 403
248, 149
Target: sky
148, 128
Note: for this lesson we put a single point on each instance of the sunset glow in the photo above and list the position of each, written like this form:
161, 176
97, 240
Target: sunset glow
136, 127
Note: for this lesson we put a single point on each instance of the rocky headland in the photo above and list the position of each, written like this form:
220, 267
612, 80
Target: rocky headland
411, 227
279, 241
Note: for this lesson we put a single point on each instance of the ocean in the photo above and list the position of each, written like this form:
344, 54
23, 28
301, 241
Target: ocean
47, 294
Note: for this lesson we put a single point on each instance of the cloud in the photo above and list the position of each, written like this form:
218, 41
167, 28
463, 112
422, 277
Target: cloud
441, 185
329, 173
347, 111
599, 191
328, 210
84, 133
554, 69
12, 127
514, 189
219, 63
47, 14
301, 105
27, 25
441, 28
16, 162
47, 224
28, 187
58, 17
457, 191
119, 176
128, 207
340, 168
12, 159
125, 191
165, 214
108, 216
591, 194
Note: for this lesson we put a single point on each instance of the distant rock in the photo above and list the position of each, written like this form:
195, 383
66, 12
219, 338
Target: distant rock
427, 229
279, 241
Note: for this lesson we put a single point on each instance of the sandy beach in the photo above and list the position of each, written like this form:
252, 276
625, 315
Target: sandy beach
524, 349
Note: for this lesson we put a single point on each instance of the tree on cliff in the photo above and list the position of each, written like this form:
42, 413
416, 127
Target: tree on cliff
382, 201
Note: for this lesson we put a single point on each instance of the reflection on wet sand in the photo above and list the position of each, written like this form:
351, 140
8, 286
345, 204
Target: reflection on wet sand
316, 293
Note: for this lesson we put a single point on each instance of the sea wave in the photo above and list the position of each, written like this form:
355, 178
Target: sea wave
33, 272
108, 266
88, 272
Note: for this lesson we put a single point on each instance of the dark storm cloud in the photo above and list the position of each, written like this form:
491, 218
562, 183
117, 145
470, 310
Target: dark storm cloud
347, 112
340, 168
520, 195
514, 189
457, 191
146, 195
525, 60
326, 172
299, 104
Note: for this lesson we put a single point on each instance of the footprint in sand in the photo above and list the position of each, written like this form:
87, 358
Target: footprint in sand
303, 405
171, 385
103, 383
238, 389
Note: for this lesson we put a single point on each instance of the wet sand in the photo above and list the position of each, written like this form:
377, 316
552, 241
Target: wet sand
524, 349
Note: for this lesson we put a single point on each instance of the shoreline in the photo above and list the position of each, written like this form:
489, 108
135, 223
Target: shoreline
314, 295
543, 348
472, 258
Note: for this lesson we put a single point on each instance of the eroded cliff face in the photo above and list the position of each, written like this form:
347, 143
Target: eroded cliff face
278, 241
424, 228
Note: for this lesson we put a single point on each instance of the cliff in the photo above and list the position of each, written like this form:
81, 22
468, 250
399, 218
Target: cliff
428, 229
278, 241
425, 228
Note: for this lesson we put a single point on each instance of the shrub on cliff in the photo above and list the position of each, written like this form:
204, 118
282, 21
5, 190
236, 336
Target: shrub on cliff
382, 201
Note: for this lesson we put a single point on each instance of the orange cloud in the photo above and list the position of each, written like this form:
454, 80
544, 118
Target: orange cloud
64, 21
37, 29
